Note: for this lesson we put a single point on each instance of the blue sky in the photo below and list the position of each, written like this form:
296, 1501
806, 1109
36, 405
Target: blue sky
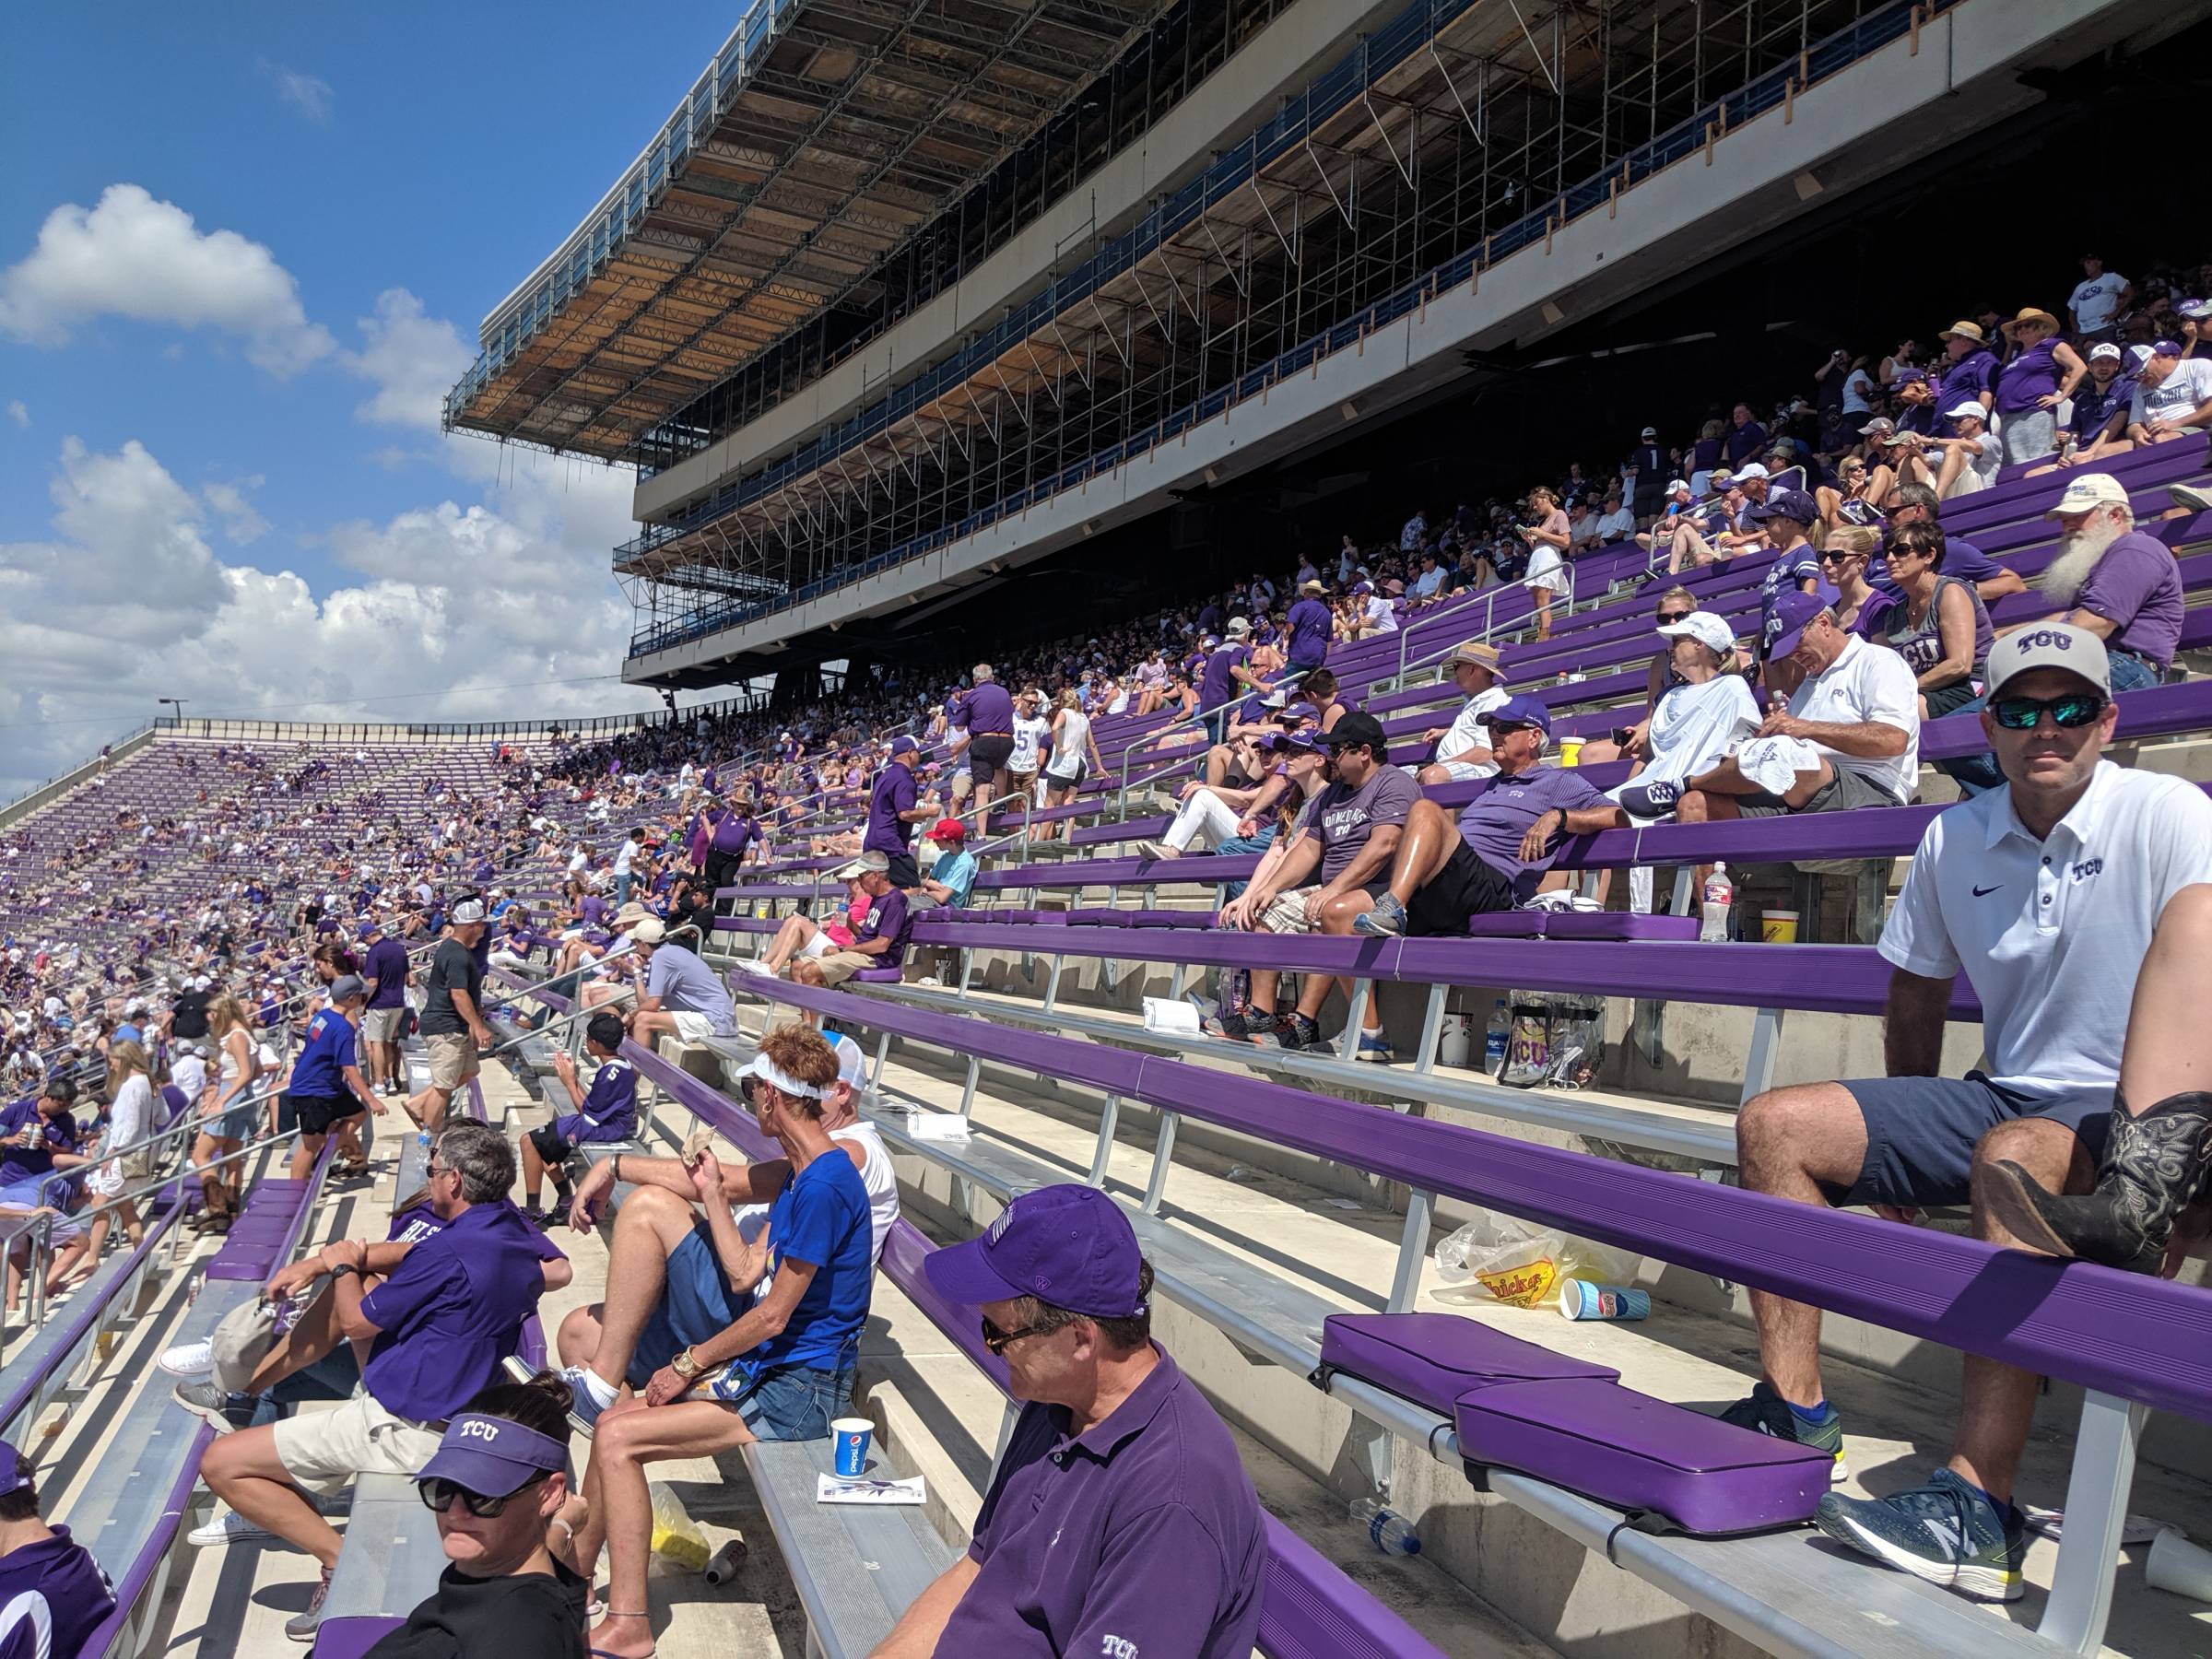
185, 363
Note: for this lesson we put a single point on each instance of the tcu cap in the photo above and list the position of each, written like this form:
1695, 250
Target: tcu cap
1067, 1246
2050, 646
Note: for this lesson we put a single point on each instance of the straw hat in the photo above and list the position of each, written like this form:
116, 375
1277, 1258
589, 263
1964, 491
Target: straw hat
2032, 313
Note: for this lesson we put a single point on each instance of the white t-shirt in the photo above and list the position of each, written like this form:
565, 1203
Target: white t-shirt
189, 1073
1615, 527
1070, 752
2052, 934
1471, 729
2175, 396
1865, 684
1381, 614
876, 1176
624, 855
1028, 741
1858, 392
2095, 299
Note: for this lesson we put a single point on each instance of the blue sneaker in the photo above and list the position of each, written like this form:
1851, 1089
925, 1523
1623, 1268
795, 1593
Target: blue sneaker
1766, 1412
1386, 921
1375, 1047
583, 1408
1947, 1532
1649, 800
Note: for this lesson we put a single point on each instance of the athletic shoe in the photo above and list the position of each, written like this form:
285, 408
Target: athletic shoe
1386, 921
755, 965
229, 1527
302, 1624
583, 1409
1947, 1532
215, 1405
1766, 1412
2189, 495
1649, 800
188, 1359
1292, 1032
1236, 1027
1153, 850
1375, 1046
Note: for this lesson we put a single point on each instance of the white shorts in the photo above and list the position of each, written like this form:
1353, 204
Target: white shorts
1467, 772
822, 944
324, 1451
107, 1181
690, 1027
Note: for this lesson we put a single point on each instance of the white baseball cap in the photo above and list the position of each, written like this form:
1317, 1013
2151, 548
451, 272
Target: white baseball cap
1705, 628
2089, 490
1752, 470
2104, 348
1677, 484
1970, 409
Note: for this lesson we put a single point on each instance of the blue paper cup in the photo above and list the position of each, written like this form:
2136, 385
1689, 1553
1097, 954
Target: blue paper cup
1579, 1299
851, 1435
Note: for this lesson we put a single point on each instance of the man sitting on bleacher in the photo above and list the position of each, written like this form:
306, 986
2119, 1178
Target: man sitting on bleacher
878, 942
1120, 1521
1851, 736
682, 994
438, 1328
53, 1594
1463, 749
2114, 582
2047, 893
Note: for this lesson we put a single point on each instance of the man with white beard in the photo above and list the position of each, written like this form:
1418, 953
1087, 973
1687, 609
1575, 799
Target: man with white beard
2114, 582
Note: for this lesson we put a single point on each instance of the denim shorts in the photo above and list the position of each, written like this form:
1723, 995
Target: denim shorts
1921, 1132
793, 1402
696, 1303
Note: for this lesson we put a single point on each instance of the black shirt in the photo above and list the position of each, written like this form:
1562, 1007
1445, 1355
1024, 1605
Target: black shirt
452, 968
189, 1016
469, 1617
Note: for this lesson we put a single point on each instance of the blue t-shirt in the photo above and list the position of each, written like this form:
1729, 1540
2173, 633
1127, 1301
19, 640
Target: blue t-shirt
610, 1108
821, 1218
956, 871
318, 1073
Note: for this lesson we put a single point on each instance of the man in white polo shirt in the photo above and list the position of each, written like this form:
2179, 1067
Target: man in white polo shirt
2046, 893
1463, 749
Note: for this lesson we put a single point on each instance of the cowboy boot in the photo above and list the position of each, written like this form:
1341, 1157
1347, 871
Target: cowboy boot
2154, 1167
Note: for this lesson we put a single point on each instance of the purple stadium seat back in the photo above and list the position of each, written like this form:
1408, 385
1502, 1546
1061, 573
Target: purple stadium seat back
1434, 1358
1692, 1473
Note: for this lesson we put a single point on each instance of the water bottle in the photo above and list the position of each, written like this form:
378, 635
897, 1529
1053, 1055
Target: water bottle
1390, 1531
1497, 1038
1720, 897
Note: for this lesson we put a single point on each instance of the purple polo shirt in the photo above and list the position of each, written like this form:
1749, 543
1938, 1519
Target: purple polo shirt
387, 965
452, 1311
2138, 585
1971, 375
1216, 683
1140, 1538
72, 1596
894, 792
1498, 817
1310, 623
1745, 442
989, 710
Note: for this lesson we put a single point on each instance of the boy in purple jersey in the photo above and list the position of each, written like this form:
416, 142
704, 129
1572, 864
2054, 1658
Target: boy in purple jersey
608, 1113
53, 1594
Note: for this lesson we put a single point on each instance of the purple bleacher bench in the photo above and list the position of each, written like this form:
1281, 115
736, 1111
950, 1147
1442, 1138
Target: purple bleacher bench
1579, 924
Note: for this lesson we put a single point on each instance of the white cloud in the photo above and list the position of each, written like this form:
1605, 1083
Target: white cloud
18, 413
241, 523
127, 602
132, 256
309, 94
413, 359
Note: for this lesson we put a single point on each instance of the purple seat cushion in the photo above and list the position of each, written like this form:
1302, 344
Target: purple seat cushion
1638, 1454
879, 976
1170, 918
1433, 1358
1579, 924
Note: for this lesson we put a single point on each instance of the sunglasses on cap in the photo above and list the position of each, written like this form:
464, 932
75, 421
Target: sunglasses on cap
2074, 710
437, 1494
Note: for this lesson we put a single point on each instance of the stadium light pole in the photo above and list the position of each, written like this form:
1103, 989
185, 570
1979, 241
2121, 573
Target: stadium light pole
177, 703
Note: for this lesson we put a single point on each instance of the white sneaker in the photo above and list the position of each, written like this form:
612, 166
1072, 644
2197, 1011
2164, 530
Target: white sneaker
189, 1359
754, 965
228, 1527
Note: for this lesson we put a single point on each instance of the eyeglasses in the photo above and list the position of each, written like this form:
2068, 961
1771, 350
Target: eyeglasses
1673, 615
999, 1341
2070, 712
437, 1494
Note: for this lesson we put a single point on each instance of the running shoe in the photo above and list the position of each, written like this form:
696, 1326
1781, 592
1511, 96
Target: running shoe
1292, 1032
1947, 1532
1155, 849
188, 1359
213, 1404
1386, 921
1237, 1025
1766, 1412
2191, 497
1649, 800
1375, 1047
583, 1407
226, 1528
302, 1624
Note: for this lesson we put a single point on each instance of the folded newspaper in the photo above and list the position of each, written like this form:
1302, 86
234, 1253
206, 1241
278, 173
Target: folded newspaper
836, 1488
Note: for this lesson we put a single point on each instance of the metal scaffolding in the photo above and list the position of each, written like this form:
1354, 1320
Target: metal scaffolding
1452, 137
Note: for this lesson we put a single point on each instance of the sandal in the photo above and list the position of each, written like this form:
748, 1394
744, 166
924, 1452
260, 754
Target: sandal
608, 1613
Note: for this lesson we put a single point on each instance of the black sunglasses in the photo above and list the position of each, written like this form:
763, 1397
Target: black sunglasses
1676, 616
2070, 712
999, 1341
438, 1495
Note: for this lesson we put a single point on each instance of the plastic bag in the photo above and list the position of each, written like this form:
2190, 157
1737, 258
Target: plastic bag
1558, 1038
1504, 1259
676, 1540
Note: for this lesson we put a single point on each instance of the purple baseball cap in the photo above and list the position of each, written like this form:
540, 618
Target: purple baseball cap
1523, 710
1795, 611
1069, 1246
493, 1455
1905, 377
1297, 742
2171, 348
904, 744
15, 1468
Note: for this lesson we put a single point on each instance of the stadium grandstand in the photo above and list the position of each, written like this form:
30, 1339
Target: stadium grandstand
1372, 676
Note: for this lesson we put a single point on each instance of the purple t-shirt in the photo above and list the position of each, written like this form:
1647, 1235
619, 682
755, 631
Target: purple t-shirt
1214, 687
610, 1107
2138, 585
1965, 381
452, 1311
894, 792
989, 710
1344, 817
387, 965
72, 1596
1745, 442
888, 914
1498, 817
2032, 374
1310, 623
1142, 1536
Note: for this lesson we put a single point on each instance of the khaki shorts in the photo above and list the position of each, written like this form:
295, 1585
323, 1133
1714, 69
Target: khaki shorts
324, 1451
840, 965
452, 1058
382, 1025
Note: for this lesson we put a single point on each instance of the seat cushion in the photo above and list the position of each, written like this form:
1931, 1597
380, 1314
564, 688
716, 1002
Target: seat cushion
1433, 1358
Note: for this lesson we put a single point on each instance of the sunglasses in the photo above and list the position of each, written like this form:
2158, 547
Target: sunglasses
999, 1341
1838, 557
1673, 615
2070, 712
438, 1495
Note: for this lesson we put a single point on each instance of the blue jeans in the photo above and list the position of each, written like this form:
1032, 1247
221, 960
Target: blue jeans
2130, 671
1975, 774
795, 1402
622, 880
1236, 846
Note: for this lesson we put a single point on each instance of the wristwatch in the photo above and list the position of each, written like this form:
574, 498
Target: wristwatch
685, 1366
339, 1269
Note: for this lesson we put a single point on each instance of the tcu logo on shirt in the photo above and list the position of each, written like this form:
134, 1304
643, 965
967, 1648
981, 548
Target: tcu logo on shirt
1117, 1647
477, 1429
2086, 868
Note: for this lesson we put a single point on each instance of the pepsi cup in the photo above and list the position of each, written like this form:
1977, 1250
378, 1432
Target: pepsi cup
851, 1435
1579, 1299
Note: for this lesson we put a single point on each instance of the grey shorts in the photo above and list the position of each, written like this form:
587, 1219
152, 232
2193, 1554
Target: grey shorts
1839, 794
1921, 1132
382, 1025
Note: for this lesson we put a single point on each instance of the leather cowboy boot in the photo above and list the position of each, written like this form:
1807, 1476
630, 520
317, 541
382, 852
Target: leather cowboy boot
2154, 1167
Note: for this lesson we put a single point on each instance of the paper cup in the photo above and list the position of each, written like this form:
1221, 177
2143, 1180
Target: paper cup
2180, 1566
1777, 927
1571, 751
1579, 1299
851, 1435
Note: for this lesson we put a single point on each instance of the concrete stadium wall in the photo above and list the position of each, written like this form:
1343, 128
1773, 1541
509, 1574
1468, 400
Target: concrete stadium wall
1239, 95
1906, 101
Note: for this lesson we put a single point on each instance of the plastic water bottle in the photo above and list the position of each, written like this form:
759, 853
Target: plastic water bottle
1390, 1531
1720, 897
1497, 1038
